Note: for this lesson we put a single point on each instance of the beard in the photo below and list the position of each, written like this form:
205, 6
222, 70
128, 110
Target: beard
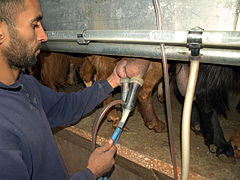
18, 54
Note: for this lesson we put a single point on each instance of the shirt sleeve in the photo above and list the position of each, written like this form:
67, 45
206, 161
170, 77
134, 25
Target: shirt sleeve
85, 174
64, 109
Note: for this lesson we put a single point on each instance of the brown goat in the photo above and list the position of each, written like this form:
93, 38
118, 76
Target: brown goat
56, 69
103, 67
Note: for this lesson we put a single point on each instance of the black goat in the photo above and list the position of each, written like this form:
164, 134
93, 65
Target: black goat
211, 99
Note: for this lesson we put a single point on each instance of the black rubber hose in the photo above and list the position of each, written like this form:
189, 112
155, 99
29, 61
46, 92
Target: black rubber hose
167, 91
99, 118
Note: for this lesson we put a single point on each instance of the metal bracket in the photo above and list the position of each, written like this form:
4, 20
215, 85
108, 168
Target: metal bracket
194, 41
80, 38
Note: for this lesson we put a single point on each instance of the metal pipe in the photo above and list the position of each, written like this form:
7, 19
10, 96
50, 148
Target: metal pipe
208, 55
229, 39
137, 36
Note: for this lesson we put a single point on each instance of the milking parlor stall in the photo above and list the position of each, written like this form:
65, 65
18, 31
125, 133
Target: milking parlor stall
162, 31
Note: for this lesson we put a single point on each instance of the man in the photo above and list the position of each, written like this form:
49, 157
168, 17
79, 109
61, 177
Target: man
28, 109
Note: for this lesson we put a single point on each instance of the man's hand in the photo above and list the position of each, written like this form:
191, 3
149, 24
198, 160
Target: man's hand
118, 72
102, 159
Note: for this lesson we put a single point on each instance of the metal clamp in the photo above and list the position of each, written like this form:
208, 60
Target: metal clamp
194, 41
80, 38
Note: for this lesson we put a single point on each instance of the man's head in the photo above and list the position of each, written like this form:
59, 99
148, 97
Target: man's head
21, 32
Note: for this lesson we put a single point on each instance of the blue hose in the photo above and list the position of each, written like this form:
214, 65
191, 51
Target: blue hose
130, 99
117, 133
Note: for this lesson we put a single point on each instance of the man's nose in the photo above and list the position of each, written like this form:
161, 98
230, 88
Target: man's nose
42, 36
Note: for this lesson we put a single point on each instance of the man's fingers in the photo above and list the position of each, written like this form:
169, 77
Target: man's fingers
121, 68
107, 146
113, 150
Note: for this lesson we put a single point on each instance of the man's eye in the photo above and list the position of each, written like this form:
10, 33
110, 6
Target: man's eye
35, 26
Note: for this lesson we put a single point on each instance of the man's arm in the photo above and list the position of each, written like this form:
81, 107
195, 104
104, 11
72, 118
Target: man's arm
62, 109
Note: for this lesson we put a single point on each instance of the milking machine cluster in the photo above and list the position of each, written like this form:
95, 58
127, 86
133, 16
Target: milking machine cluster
129, 92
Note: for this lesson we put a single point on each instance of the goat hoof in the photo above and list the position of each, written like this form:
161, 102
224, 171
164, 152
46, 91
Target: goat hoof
115, 120
157, 126
212, 148
225, 159
114, 124
235, 142
236, 153
160, 98
196, 129
124, 128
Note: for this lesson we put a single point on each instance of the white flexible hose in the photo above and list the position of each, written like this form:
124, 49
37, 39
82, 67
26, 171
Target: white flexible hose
125, 114
186, 118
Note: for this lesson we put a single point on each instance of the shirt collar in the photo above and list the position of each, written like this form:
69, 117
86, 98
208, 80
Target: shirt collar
17, 86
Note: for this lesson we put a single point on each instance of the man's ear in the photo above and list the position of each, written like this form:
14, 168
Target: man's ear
2, 34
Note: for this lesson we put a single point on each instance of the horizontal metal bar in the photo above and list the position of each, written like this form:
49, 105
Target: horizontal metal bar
63, 35
137, 36
225, 39
208, 55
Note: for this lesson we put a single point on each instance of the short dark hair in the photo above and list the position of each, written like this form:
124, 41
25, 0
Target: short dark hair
9, 10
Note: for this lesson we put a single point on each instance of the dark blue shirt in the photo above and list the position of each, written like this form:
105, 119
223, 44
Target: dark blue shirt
28, 110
